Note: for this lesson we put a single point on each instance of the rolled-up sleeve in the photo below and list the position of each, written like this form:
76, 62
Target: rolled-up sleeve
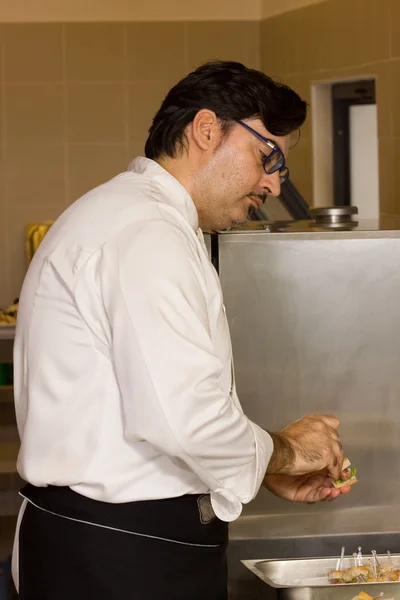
167, 368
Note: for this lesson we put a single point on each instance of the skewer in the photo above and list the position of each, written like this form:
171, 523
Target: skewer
340, 560
360, 563
390, 560
373, 552
378, 564
360, 577
372, 561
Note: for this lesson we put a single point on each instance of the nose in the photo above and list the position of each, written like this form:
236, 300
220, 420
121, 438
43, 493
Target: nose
272, 182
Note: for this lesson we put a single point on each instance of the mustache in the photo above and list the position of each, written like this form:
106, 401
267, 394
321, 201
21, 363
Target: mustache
262, 197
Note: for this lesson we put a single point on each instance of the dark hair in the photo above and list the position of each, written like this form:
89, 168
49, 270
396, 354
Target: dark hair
233, 92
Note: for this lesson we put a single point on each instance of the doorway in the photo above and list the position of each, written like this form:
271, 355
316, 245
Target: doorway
345, 145
355, 146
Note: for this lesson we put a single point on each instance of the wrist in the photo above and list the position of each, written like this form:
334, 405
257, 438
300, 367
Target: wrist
283, 455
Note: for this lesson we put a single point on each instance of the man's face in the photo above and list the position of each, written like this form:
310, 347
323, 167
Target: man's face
233, 181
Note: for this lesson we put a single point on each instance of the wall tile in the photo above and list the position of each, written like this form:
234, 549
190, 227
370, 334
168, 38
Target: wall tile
371, 39
134, 149
33, 52
90, 166
394, 18
156, 51
5, 260
220, 40
95, 52
1, 52
395, 96
96, 112
34, 189
302, 85
310, 37
382, 71
144, 100
384, 171
35, 177
336, 34
2, 130
352, 32
252, 44
389, 177
300, 165
280, 44
35, 114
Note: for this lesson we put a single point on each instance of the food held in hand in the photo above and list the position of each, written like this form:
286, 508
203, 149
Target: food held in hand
352, 479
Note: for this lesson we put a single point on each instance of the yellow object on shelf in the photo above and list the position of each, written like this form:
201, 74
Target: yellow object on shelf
34, 233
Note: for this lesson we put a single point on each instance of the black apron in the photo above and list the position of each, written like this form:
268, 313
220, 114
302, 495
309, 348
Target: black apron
75, 548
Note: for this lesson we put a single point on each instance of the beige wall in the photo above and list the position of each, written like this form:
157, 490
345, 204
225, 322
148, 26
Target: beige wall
26, 11
341, 39
76, 101
41, 11
270, 8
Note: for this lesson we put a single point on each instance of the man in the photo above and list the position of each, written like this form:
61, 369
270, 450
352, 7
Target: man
133, 440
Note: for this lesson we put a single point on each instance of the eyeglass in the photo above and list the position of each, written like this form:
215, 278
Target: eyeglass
275, 160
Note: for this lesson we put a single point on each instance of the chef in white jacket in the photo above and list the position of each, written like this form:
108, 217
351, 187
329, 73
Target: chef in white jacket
134, 445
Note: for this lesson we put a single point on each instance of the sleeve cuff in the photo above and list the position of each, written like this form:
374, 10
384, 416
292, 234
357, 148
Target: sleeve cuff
228, 502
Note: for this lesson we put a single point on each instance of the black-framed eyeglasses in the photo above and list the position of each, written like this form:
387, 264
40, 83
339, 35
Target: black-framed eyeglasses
275, 160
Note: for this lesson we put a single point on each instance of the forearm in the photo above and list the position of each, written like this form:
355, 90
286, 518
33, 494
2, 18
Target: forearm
283, 455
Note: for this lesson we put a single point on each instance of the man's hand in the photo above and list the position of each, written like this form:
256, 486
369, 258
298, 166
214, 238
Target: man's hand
312, 487
308, 445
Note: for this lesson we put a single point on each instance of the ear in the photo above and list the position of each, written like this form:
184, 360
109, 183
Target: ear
206, 130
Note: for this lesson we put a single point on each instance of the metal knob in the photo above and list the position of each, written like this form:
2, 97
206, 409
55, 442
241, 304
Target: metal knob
333, 214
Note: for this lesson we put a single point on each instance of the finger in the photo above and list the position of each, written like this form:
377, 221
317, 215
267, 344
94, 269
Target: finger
335, 436
333, 494
318, 494
335, 467
330, 421
346, 474
324, 494
345, 489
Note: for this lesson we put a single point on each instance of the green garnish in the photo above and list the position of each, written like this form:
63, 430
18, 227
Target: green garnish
353, 472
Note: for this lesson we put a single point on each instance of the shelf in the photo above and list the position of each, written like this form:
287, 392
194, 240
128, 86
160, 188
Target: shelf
6, 395
10, 502
7, 332
9, 434
8, 457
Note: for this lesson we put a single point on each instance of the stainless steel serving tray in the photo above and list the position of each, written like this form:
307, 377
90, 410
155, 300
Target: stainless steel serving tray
306, 579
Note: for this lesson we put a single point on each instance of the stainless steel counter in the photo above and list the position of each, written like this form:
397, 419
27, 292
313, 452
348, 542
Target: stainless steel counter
315, 322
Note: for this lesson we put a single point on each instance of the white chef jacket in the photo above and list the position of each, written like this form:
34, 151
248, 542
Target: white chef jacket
124, 384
